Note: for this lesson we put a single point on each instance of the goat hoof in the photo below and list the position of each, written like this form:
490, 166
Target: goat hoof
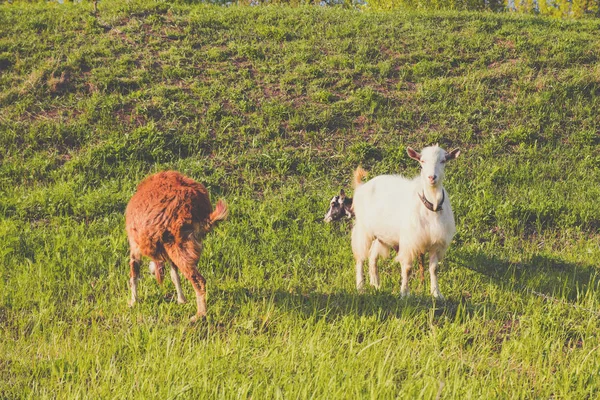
181, 301
438, 296
197, 317
131, 303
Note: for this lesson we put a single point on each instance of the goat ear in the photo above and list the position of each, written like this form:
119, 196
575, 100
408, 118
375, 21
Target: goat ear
452, 155
342, 194
413, 154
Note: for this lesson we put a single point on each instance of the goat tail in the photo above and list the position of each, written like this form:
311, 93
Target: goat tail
220, 212
359, 175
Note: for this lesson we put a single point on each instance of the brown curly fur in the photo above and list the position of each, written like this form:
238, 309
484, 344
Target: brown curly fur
166, 220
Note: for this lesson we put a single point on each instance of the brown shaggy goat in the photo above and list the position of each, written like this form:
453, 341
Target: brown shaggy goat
166, 219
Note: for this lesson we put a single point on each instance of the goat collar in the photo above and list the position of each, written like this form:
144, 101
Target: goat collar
429, 205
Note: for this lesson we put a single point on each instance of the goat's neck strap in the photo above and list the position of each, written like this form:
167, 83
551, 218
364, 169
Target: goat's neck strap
429, 205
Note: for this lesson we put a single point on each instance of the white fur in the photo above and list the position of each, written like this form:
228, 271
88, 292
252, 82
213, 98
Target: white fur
388, 208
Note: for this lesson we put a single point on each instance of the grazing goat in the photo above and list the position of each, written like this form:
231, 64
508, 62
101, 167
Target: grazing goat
340, 207
414, 215
166, 219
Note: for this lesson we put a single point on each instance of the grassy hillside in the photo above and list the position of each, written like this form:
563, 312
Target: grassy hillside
272, 108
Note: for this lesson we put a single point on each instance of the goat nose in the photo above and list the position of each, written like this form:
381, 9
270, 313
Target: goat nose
432, 177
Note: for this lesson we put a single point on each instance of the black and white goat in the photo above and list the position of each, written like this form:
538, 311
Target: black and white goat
340, 207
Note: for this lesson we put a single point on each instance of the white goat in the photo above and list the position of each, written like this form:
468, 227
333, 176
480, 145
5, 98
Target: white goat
413, 216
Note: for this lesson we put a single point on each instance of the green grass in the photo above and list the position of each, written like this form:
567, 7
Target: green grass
272, 108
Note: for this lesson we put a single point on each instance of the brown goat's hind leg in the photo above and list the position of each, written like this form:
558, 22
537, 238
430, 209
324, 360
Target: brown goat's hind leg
199, 283
134, 272
185, 258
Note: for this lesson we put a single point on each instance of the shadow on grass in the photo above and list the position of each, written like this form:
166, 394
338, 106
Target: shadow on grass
382, 305
539, 275
549, 278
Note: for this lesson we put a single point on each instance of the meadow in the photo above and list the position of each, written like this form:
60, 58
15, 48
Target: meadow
272, 108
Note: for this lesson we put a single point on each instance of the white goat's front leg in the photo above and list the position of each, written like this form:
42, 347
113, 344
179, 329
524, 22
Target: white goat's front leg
433, 263
175, 278
406, 267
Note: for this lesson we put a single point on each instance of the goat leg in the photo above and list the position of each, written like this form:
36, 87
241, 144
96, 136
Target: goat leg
422, 267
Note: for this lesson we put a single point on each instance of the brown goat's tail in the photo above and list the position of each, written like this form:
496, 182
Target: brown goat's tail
359, 175
220, 212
